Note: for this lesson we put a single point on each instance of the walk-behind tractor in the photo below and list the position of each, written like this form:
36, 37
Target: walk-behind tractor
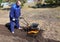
32, 29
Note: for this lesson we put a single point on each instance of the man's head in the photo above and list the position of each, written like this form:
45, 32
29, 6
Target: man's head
18, 2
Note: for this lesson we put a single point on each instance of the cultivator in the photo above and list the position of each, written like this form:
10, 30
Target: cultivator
31, 29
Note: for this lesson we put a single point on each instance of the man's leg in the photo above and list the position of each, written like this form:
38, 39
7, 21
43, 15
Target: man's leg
12, 26
17, 23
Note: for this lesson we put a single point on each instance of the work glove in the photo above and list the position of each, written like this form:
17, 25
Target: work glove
13, 19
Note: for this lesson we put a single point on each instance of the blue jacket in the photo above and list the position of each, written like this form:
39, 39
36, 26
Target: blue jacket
15, 11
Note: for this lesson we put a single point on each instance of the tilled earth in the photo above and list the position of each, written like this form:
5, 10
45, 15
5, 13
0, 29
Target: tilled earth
49, 24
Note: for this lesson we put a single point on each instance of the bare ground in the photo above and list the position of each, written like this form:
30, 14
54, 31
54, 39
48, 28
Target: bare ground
49, 23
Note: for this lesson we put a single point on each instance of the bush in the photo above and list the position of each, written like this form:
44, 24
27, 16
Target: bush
53, 1
23, 2
50, 1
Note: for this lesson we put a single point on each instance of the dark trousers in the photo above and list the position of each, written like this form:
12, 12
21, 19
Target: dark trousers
13, 24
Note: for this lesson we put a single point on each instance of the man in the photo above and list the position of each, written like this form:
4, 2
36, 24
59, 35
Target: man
15, 13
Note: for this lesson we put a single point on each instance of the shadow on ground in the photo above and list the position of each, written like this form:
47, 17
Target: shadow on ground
45, 6
22, 34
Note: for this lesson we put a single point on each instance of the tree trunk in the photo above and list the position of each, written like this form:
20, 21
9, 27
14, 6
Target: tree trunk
43, 1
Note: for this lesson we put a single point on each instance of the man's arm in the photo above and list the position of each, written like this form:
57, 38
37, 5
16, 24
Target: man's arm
12, 12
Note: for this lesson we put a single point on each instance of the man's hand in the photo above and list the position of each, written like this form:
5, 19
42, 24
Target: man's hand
13, 19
